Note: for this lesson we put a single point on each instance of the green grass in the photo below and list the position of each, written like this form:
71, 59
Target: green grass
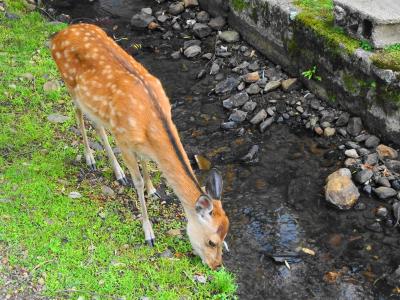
89, 246
318, 14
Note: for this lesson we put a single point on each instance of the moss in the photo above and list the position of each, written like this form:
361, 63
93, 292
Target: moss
387, 59
318, 15
351, 84
240, 5
386, 94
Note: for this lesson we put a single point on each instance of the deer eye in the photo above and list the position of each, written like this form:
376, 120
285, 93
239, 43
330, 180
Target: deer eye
212, 244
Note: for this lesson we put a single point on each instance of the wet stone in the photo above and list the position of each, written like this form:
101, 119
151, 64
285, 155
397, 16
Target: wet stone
254, 66
363, 176
354, 126
236, 100
372, 142
343, 119
176, 54
259, 117
393, 165
352, 145
214, 68
176, 8
349, 162
361, 138
382, 181
395, 184
342, 131
141, 20
352, 153
327, 116
217, 23
238, 116
385, 192
249, 106
363, 151
201, 30
272, 85
253, 89
229, 36
382, 212
371, 159
192, 51
374, 227
229, 125
226, 86
367, 189
264, 125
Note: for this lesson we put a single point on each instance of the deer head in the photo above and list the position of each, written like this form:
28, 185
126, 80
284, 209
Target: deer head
208, 224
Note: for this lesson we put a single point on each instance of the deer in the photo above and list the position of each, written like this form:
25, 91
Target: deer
118, 94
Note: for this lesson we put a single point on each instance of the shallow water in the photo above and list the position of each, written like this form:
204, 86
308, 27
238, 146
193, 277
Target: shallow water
275, 202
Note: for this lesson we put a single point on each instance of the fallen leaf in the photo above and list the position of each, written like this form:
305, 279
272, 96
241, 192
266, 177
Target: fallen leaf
308, 251
331, 277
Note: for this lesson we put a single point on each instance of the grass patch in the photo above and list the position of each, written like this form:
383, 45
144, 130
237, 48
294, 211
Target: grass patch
318, 14
91, 246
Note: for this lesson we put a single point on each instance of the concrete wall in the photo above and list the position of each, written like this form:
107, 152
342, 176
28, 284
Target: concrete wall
348, 79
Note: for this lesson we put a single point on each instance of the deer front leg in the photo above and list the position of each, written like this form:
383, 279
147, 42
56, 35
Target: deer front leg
151, 191
133, 166
88, 152
119, 173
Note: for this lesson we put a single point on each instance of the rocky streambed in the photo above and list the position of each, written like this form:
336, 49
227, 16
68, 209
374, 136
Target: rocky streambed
276, 144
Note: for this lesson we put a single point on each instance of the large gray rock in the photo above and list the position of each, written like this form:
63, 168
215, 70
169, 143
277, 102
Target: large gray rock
227, 85
176, 8
385, 192
201, 30
217, 23
354, 126
340, 189
372, 142
229, 36
192, 51
363, 176
393, 165
141, 20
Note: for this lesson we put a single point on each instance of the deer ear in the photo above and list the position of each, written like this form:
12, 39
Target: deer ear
214, 184
204, 205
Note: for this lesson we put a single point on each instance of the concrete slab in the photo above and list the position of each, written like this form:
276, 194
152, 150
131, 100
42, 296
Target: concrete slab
377, 21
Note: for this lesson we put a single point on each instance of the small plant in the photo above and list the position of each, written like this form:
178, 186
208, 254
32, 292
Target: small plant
311, 74
366, 45
394, 47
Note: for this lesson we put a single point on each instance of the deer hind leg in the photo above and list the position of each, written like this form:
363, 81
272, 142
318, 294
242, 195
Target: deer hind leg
88, 152
151, 191
133, 166
119, 173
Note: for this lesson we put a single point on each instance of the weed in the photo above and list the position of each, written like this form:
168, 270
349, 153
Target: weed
311, 74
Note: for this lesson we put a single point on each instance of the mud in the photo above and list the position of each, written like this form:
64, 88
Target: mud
275, 202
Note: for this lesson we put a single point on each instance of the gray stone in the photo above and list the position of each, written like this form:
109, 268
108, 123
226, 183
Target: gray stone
141, 20
236, 100
300, 109
192, 51
372, 142
176, 26
272, 85
107, 191
162, 18
290, 84
363, 176
167, 254
352, 153
249, 106
371, 159
376, 21
57, 118
217, 23
259, 117
147, 10
363, 151
383, 181
329, 131
352, 145
227, 85
264, 125
362, 137
343, 119
74, 195
201, 30
229, 36
189, 43
229, 125
176, 8
354, 126
214, 68
254, 66
384, 192
238, 116
270, 111
327, 116
393, 165
190, 3
203, 17
176, 54
325, 124
253, 89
